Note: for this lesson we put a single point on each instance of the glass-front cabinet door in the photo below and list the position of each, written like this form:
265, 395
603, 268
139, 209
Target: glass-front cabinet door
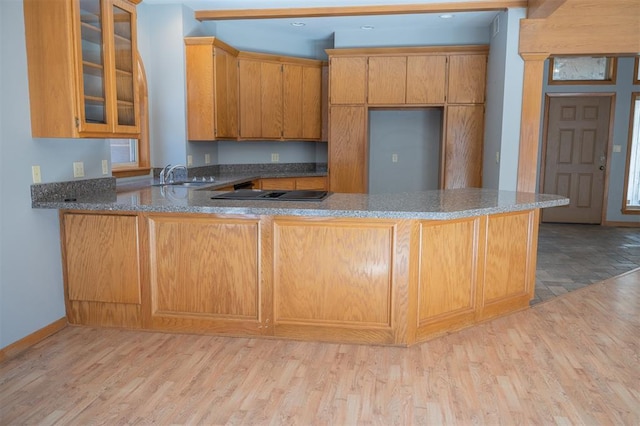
95, 115
123, 42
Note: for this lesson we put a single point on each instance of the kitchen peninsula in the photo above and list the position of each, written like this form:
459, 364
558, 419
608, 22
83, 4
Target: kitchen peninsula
392, 269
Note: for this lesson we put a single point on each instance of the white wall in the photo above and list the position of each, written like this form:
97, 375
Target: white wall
617, 160
31, 286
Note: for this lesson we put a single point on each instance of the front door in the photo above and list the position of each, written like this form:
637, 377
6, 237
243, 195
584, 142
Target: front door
576, 156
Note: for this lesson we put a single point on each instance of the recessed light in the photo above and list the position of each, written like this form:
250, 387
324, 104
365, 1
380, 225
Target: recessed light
366, 27
298, 24
446, 16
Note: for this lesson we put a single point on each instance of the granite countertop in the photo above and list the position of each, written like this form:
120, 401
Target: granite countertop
437, 205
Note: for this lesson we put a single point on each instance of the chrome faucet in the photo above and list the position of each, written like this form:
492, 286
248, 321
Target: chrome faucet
163, 174
169, 176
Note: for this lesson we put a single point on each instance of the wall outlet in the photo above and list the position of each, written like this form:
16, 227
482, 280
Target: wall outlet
617, 148
105, 167
394, 158
189, 160
35, 174
275, 157
497, 157
78, 169
207, 159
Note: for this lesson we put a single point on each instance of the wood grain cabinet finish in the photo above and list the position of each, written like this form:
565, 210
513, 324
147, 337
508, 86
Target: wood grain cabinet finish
318, 183
101, 268
382, 281
426, 79
347, 149
81, 58
212, 89
404, 80
302, 114
347, 80
447, 77
463, 146
280, 100
260, 84
467, 79
204, 273
387, 80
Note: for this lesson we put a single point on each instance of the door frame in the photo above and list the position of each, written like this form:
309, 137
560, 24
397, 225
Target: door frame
545, 128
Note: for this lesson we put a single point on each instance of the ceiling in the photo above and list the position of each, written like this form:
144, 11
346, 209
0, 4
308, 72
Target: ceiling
325, 27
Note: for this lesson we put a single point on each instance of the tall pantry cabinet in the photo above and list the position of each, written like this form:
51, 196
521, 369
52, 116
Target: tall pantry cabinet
448, 77
81, 64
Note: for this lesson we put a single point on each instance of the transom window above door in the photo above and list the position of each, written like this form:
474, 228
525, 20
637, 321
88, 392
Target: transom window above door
582, 70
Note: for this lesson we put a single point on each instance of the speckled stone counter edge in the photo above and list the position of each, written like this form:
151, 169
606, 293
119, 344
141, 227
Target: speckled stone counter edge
71, 190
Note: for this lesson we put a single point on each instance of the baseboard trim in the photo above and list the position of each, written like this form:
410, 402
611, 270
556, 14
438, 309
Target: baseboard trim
33, 338
623, 224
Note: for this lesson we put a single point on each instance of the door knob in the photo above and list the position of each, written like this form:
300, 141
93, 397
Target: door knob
601, 167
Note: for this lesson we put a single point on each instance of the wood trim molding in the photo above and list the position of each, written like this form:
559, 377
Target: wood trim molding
530, 121
320, 12
540, 9
32, 339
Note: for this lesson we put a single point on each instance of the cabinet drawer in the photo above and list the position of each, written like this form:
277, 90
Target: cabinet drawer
317, 183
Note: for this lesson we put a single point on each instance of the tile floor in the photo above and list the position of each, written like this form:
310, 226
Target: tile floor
574, 256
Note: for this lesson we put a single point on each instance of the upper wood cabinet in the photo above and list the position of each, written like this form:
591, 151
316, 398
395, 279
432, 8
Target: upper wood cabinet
302, 88
426, 77
212, 89
467, 79
260, 99
279, 97
82, 78
400, 80
347, 80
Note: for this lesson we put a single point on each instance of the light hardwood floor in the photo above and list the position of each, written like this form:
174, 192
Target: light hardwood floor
571, 360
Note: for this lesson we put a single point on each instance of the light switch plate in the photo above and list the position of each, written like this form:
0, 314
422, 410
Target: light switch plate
207, 159
394, 158
189, 160
105, 167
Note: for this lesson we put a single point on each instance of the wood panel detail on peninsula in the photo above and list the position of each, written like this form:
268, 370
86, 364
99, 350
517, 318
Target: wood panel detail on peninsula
390, 280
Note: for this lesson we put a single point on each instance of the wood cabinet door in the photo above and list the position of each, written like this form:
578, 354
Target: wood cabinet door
318, 183
271, 99
347, 80
463, 146
467, 79
278, 183
199, 69
426, 79
348, 149
226, 94
249, 76
311, 102
101, 258
292, 82
387, 79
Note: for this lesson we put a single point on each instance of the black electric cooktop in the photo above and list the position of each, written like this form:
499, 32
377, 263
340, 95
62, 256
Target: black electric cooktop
253, 195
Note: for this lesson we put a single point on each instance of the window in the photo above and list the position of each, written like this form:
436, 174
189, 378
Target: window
582, 70
631, 200
130, 157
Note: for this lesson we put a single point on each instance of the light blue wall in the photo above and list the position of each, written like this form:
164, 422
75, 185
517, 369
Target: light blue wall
403, 37
504, 104
617, 160
414, 136
161, 30
31, 286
